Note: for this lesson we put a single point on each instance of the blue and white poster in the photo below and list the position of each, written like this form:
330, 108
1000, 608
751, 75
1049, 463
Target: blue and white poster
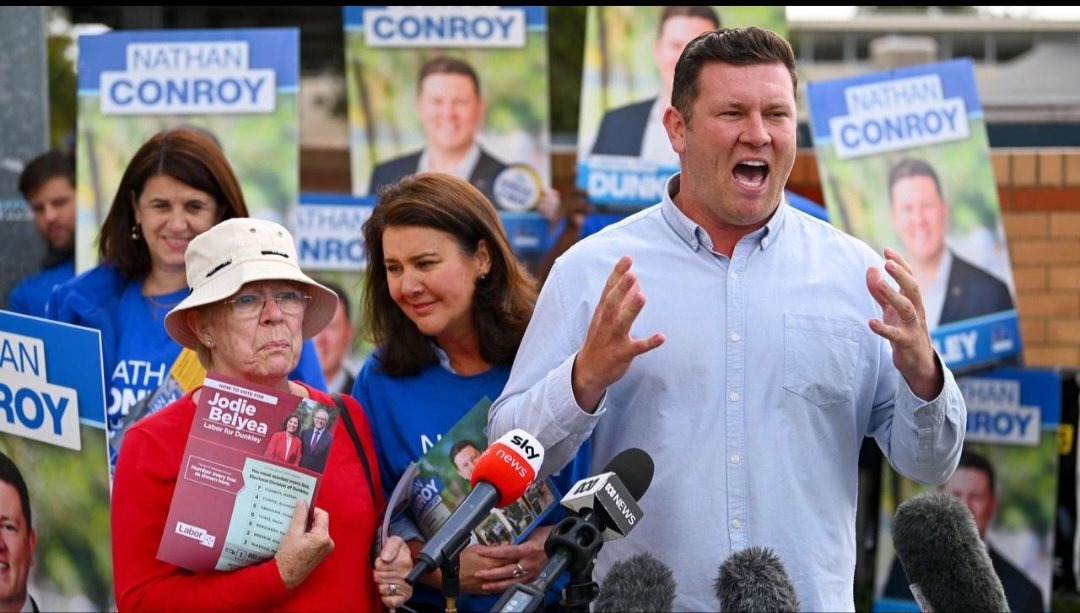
905, 163
240, 86
1007, 477
57, 547
459, 90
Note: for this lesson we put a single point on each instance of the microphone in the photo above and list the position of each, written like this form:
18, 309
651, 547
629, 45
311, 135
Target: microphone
638, 584
603, 508
754, 579
943, 557
501, 475
613, 494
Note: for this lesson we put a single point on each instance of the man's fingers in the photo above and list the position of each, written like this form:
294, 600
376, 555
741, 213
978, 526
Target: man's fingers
617, 273
894, 255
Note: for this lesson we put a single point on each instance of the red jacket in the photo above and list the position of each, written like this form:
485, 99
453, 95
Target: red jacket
143, 487
275, 449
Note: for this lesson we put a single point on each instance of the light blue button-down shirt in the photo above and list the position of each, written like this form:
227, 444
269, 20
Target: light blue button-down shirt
753, 409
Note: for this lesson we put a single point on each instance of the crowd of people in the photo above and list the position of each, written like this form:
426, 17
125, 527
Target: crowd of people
731, 337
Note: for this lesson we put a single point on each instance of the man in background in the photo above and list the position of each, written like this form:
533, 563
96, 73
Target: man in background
48, 184
18, 539
953, 288
464, 454
451, 110
334, 342
973, 483
638, 129
316, 442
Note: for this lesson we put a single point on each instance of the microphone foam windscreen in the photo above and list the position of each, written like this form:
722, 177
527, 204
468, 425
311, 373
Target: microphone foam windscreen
634, 468
754, 580
943, 557
638, 584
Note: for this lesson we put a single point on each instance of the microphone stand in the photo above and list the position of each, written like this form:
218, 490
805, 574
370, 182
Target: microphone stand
580, 539
451, 580
451, 571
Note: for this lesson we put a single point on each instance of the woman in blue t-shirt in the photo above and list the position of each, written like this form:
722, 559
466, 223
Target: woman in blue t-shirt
176, 186
446, 303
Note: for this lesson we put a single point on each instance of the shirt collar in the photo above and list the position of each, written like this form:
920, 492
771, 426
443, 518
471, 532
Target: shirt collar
696, 237
464, 168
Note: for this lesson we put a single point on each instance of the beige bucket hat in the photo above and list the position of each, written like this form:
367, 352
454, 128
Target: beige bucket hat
238, 251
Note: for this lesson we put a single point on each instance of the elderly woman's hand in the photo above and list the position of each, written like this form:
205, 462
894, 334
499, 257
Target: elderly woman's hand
391, 568
301, 551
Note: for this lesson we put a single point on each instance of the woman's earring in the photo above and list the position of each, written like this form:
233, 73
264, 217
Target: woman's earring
209, 342
135, 232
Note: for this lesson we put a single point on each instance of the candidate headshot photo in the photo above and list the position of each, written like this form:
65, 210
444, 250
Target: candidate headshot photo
974, 483
953, 287
316, 440
637, 129
450, 108
18, 539
479, 112
464, 454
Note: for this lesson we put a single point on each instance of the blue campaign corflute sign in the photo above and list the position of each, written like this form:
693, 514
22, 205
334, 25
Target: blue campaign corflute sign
449, 26
1011, 405
905, 163
50, 379
327, 228
880, 112
194, 71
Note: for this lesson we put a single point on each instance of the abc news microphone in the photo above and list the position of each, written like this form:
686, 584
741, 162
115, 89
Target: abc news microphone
501, 475
603, 508
754, 579
944, 559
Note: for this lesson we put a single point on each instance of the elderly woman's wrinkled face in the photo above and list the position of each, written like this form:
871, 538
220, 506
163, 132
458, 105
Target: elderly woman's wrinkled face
257, 331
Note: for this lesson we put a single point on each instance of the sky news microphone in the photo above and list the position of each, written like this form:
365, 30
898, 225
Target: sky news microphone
754, 579
944, 559
603, 507
638, 584
501, 475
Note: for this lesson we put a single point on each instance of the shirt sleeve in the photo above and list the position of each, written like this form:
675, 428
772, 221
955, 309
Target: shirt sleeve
921, 438
538, 396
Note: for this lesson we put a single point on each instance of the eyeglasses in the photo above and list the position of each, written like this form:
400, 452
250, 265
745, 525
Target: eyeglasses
251, 305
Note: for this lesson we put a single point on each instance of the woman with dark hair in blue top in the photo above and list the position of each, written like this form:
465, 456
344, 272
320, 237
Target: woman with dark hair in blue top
177, 186
446, 303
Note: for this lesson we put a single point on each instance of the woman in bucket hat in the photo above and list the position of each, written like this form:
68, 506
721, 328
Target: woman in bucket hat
249, 311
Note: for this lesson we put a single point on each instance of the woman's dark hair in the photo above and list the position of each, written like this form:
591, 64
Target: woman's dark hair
503, 300
299, 422
185, 154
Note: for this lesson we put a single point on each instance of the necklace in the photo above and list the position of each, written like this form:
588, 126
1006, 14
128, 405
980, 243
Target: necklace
160, 307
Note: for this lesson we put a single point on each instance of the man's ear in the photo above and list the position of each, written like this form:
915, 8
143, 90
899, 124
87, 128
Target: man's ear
676, 129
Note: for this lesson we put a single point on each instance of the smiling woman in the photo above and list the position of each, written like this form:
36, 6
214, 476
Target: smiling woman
176, 186
447, 303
